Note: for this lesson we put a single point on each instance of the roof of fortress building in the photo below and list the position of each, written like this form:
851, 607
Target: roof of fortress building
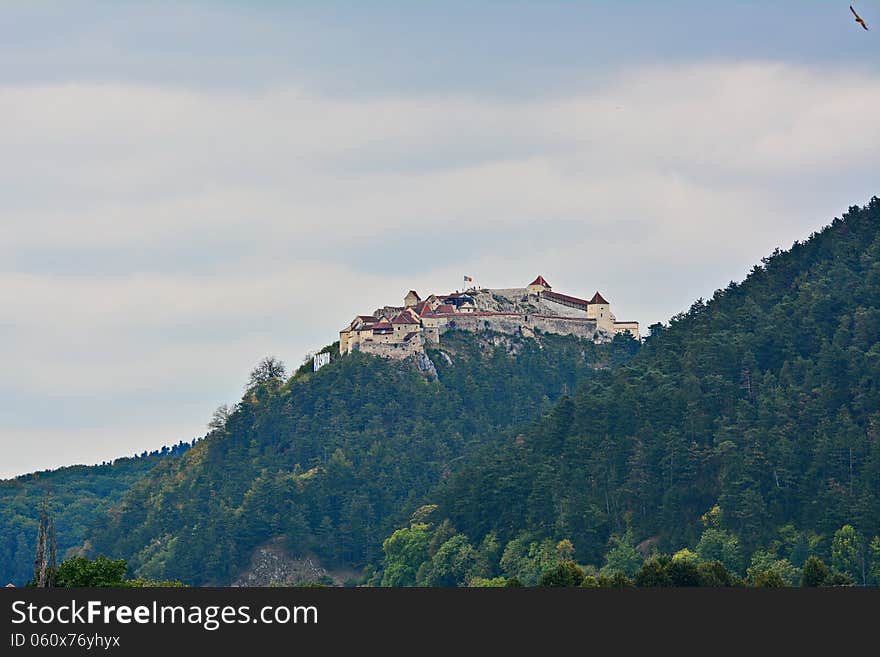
565, 297
405, 318
422, 308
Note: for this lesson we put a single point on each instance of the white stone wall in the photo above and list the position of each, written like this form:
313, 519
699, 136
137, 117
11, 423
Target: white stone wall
395, 350
628, 327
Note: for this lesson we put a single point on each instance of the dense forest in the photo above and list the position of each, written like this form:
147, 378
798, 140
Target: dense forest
78, 494
331, 462
739, 444
747, 429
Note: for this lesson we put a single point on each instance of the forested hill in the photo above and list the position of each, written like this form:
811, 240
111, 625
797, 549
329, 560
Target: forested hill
328, 463
78, 495
764, 401
746, 430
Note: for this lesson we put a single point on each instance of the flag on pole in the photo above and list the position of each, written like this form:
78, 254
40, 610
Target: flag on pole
468, 279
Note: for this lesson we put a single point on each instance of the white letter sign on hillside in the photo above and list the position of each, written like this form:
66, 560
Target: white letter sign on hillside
320, 360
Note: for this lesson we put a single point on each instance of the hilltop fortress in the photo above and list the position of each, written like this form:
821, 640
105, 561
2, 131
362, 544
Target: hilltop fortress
403, 331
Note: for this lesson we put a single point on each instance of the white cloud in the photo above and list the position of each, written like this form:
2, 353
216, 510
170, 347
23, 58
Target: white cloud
158, 239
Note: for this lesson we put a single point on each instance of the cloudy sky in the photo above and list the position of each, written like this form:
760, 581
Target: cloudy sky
186, 187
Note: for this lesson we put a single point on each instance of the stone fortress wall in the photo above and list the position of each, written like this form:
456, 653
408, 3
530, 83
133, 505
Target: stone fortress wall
400, 332
395, 350
523, 324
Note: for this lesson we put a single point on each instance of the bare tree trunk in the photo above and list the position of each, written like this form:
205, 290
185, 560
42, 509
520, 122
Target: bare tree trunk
45, 559
40, 557
53, 552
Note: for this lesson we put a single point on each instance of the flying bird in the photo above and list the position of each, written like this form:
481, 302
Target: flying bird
859, 19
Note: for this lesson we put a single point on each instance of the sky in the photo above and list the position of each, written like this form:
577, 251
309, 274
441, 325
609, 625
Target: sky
187, 187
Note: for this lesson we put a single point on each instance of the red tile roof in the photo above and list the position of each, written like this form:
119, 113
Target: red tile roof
444, 308
540, 281
404, 318
597, 298
565, 298
422, 308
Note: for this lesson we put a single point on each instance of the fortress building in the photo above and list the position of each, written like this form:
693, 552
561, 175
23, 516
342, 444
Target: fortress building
402, 331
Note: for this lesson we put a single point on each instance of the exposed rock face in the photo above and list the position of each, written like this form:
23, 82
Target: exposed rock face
425, 365
271, 565
519, 300
513, 344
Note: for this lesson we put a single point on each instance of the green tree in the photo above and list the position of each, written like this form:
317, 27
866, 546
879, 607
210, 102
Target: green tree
269, 371
528, 559
798, 546
719, 545
875, 561
405, 550
487, 555
141, 583
683, 570
685, 554
714, 574
566, 573
220, 418
839, 579
770, 579
620, 581
80, 572
764, 562
564, 550
487, 582
653, 572
815, 572
713, 518
846, 552
622, 557
452, 563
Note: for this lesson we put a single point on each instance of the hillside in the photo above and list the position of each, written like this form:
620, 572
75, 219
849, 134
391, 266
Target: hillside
762, 403
328, 463
79, 494
746, 432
